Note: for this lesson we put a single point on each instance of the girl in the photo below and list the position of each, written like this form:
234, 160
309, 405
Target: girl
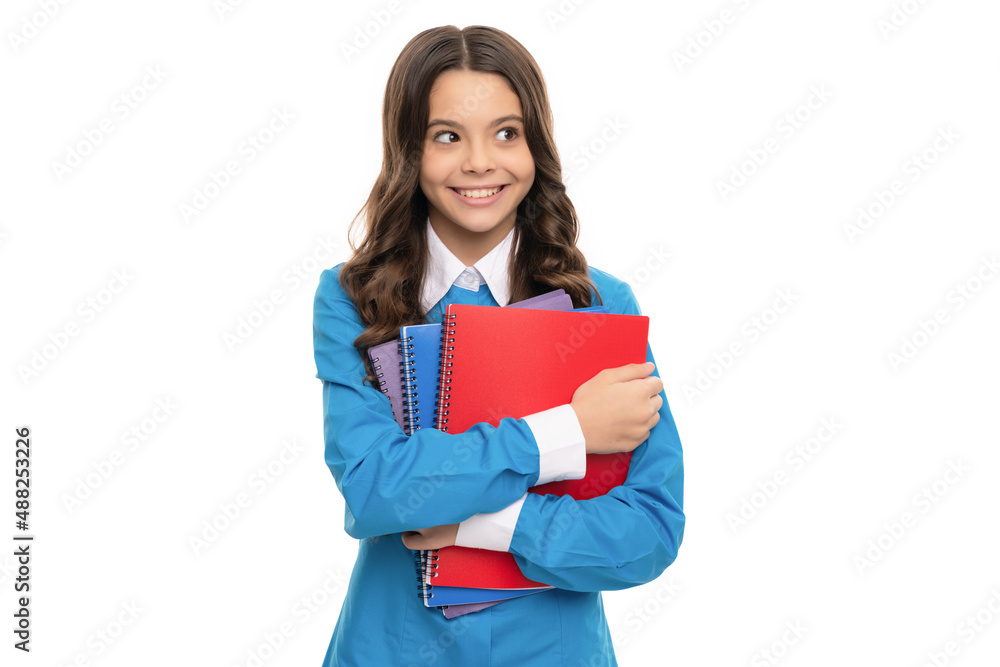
470, 208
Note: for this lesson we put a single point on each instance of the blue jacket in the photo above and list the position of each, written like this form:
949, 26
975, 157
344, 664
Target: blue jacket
392, 483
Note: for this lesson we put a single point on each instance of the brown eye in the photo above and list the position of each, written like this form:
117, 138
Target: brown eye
447, 133
513, 133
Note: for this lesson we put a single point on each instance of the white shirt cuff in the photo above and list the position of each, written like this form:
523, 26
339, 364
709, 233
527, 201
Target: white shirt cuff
562, 449
492, 531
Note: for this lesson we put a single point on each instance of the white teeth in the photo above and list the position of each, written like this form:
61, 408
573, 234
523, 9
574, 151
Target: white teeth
478, 194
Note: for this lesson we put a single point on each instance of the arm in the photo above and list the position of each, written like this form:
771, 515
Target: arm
622, 539
392, 482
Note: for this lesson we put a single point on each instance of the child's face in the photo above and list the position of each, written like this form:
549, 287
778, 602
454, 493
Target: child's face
478, 146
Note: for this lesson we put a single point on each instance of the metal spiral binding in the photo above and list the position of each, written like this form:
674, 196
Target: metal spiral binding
376, 369
411, 417
421, 560
447, 347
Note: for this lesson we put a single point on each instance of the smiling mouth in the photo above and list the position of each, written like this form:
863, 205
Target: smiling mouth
479, 194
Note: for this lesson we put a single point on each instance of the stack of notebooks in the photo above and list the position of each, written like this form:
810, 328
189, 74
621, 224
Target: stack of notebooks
486, 363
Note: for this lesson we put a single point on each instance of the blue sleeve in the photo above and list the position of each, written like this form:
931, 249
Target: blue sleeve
392, 482
625, 538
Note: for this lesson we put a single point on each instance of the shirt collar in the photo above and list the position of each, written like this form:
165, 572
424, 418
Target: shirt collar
445, 270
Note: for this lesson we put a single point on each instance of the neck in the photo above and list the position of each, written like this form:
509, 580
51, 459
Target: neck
468, 246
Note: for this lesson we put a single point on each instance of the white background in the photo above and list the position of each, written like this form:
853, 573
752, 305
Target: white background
662, 134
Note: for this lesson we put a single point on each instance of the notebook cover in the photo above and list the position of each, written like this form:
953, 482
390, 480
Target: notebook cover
421, 346
453, 595
506, 362
477, 568
555, 300
511, 374
385, 363
456, 610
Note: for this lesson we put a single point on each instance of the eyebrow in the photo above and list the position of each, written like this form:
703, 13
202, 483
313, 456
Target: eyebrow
451, 123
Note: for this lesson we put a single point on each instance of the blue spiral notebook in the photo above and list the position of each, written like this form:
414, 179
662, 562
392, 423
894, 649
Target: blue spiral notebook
455, 595
420, 351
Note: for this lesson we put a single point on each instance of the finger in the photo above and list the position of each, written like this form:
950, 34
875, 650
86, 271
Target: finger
628, 372
646, 386
652, 384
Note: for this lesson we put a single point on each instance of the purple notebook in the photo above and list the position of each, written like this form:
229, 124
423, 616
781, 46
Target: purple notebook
560, 301
386, 361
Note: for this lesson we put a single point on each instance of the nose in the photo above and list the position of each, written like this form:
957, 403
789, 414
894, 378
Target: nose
479, 157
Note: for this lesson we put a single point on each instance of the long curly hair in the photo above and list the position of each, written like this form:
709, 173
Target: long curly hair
384, 276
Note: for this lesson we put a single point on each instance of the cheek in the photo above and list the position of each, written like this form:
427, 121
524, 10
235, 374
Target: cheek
526, 168
432, 172
426, 180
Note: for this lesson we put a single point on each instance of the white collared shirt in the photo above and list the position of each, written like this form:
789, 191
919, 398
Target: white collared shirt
561, 445
445, 270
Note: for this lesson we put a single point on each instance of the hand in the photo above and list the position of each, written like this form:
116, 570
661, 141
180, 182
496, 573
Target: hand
431, 538
618, 407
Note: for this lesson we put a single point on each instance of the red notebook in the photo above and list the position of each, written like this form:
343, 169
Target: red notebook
499, 362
